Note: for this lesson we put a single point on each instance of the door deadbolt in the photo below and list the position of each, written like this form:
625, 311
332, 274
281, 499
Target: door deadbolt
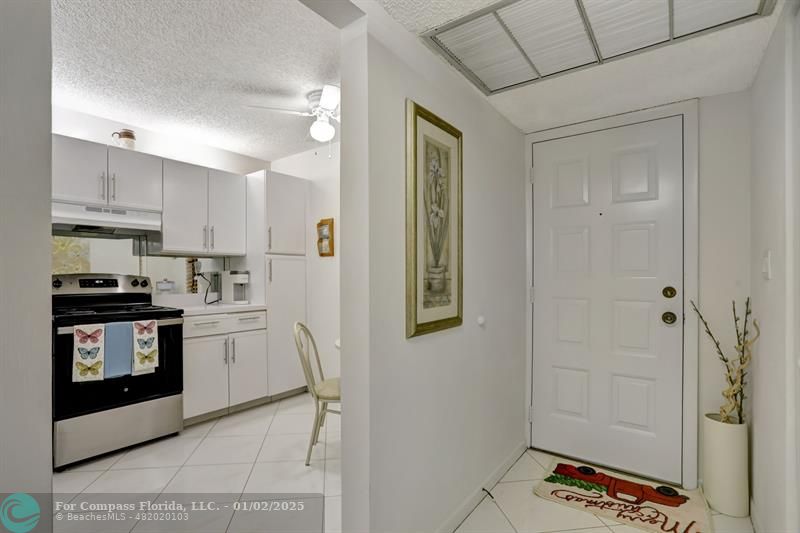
669, 318
669, 292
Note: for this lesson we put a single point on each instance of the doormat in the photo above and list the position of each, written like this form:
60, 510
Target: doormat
636, 502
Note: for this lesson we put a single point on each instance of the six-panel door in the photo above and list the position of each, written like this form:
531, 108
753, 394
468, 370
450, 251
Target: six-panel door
134, 180
248, 366
607, 365
185, 216
79, 171
205, 375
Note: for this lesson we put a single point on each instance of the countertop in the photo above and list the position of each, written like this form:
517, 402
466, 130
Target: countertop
213, 309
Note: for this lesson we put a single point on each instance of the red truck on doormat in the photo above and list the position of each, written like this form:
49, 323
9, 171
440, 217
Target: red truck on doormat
623, 490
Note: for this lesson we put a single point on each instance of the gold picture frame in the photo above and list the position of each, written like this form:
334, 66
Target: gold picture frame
325, 237
434, 200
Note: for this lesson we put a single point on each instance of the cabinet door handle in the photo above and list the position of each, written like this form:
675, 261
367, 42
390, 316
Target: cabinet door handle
269, 238
234, 350
114, 187
212, 237
103, 185
205, 237
270, 270
209, 323
242, 319
225, 357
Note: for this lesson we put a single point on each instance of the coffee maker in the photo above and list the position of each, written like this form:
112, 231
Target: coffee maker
235, 287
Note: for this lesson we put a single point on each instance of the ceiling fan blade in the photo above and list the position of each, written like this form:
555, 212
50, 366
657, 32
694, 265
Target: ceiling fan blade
331, 95
281, 110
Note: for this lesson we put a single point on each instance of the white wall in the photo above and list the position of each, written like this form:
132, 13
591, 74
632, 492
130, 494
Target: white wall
355, 280
321, 167
724, 157
25, 375
97, 129
446, 410
772, 212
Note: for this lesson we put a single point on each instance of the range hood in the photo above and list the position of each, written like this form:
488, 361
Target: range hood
110, 222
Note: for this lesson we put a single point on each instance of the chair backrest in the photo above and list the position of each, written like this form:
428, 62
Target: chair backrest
305, 343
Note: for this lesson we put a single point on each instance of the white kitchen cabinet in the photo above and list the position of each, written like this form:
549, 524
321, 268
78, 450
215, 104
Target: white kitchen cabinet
286, 214
224, 361
185, 216
248, 366
205, 211
205, 375
286, 299
134, 180
80, 171
227, 213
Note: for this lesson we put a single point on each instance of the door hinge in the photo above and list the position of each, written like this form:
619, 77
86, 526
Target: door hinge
530, 174
530, 414
532, 294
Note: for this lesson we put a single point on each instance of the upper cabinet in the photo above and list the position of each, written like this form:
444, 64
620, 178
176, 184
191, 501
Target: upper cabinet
184, 222
205, 211
80, 171
227, 213
134, 179
286, 214
89, 173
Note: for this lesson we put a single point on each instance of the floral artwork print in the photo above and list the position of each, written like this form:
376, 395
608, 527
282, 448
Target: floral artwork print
436, 193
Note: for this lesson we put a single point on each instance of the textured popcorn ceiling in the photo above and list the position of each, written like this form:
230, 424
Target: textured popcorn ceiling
420, 16
188, 67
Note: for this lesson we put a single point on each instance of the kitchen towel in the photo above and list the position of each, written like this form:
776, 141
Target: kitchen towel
118, 349
145, 347
88, 342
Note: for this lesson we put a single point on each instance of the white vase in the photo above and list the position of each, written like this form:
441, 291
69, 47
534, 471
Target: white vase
725, 467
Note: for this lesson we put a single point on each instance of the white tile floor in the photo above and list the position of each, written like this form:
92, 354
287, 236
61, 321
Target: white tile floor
515, 509
260, 450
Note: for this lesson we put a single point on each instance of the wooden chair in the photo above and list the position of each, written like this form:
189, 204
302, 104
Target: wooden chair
324, 391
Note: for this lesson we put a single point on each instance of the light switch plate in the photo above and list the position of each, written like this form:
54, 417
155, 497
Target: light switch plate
766, 265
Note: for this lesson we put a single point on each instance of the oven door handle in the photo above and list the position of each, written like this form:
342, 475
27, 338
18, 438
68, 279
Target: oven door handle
68, 330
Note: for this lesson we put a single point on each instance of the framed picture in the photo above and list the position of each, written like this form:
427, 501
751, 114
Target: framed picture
325, 237
434, 285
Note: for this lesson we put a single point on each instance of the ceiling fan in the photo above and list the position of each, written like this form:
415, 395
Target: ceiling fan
322, 104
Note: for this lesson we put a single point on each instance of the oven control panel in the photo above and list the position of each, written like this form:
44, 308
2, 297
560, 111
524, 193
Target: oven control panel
100, 284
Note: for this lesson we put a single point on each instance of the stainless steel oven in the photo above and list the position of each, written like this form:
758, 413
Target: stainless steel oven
95, 417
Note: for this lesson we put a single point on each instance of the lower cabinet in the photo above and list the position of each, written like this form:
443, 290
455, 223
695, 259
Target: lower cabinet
223, 366
205, 375
247, 372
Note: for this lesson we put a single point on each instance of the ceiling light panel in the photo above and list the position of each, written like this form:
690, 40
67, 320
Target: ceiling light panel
551, 32
695, 15
485, 48
622, 26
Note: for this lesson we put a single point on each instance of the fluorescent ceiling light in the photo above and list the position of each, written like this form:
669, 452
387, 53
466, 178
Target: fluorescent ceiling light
696, 15
524, 41
484, 46
622, 26
551, 32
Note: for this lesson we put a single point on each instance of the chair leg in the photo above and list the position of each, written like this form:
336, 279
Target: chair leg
314, 429
319, 425
324, 413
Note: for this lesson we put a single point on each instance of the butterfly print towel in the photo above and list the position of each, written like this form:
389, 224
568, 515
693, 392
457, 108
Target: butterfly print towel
145, 347
88, 352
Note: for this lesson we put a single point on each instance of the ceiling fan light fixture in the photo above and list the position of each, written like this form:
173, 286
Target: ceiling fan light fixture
322, 130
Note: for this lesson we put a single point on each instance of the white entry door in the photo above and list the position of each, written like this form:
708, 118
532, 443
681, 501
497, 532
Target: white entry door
608, 330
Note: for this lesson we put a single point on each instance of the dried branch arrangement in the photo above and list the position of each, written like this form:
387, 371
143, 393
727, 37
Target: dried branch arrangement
735, 367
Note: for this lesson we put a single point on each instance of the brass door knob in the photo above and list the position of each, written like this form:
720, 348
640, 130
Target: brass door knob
669, 318
669, 292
